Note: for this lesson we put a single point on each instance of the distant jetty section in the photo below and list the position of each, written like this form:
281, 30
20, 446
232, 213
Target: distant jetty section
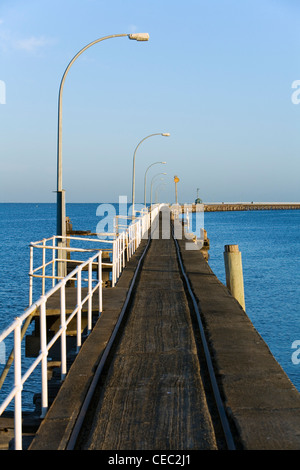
244, 206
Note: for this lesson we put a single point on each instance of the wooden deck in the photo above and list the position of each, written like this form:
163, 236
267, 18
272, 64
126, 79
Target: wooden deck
153, 396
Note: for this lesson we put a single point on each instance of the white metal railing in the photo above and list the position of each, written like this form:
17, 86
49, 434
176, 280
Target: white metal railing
65, 319
48, 268
123, 247
176, 210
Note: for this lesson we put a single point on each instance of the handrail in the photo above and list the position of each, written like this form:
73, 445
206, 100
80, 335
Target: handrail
40, 271
123, 247
15, 327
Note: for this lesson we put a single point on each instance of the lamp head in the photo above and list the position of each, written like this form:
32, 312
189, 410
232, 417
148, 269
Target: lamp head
139, 36
166, 134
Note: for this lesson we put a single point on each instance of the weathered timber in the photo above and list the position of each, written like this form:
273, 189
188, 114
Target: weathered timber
153, 397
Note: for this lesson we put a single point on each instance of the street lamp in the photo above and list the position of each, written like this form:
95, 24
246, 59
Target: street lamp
146, 176
152, 184
61, 211
165, 134
176, 180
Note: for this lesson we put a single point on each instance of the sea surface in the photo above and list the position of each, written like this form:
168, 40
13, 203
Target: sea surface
270, 245
269, 242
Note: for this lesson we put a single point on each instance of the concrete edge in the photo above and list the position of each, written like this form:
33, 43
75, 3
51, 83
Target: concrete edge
261, 402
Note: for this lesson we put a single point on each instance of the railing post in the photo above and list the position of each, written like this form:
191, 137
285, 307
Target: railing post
63, 331
44, 353
118, 257
123, 248
140, 231
135, 235
43, 269
132, 240
114, 264
18, 386
127, 244
53, 261
90, 265
31, 276
144, 226
100, 281
129, 241
79, 310
120, 254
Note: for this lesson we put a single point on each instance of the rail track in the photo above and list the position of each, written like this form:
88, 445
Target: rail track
227, 434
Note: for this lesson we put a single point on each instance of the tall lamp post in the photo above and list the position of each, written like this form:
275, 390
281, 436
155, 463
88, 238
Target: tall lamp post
146, 177
61, 211
176, 180
165, 134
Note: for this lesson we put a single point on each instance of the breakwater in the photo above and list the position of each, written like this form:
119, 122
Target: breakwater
251, 206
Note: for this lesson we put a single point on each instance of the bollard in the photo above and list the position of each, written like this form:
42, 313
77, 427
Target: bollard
234, 273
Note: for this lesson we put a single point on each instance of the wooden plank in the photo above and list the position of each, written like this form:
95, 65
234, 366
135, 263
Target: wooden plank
153, 397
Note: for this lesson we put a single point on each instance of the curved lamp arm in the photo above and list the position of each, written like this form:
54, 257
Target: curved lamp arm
60, 202
145, 179
152, 181
165, 134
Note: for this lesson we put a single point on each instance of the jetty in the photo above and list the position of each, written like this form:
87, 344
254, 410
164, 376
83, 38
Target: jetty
163, 358
243, 206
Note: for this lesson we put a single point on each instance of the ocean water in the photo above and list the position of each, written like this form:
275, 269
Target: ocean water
21, 224
270, 245
269, 242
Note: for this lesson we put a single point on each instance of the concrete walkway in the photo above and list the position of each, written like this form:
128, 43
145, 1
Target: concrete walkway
262, 403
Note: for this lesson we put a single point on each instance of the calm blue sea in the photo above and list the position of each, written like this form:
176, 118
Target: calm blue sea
270, 245
269, 242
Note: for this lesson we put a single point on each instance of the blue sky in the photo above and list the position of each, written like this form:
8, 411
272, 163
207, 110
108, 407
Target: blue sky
217, 75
